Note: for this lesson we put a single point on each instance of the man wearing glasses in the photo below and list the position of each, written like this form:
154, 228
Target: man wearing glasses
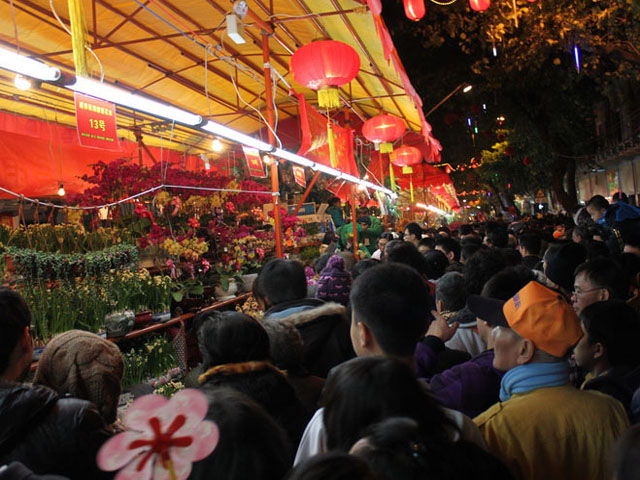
598, 280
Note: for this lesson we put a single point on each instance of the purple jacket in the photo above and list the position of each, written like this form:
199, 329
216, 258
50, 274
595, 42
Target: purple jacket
470, 387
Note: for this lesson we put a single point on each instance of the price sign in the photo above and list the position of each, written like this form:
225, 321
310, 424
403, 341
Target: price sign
96, 121
254, 162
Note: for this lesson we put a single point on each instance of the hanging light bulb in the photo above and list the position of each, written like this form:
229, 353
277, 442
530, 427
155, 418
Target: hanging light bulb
217, 145
61, 191
22, 83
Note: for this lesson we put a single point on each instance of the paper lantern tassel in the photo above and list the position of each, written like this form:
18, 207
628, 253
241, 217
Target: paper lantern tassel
386, 147
332, 146
328, 97
392, 177
411, 186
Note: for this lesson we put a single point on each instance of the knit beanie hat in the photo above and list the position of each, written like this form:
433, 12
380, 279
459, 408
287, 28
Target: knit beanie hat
334, 284
83, 365
561, 261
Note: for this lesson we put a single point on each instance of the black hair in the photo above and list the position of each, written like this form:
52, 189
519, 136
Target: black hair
630, 263
366, 390
392, 300
531, 242
251, 443
334, 200
498, 237
386, 236
406, 253
396, 449
444, 230
437, 262
414, 229
363, 220
16, 316
451, 291
467, 251
286, 345
449, 245
465, 229
328, 238
620, 197
616, 326
599, 202
428, 242
584, 232
626, 455
231, 337
363, 265
281, 281
606, 273
482, 265
332, 466
507, 282
363, 211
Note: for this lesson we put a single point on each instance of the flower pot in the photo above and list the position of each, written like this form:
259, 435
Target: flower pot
247, 281
118, 324
230, 292
143, 319
161, 317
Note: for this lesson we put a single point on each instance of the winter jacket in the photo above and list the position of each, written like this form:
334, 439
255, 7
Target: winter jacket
531, 261
324, 329
621, 220
17, 471
554, 433
49, 434
619, 382
470, 387
432, 357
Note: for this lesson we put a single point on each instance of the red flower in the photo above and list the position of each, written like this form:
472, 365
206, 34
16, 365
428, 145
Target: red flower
193, 223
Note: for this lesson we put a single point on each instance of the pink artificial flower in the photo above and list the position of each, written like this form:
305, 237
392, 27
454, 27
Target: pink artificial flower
206, 266
164, 438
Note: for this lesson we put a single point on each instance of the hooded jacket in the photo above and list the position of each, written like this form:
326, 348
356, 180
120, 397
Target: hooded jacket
324, 329
49, 434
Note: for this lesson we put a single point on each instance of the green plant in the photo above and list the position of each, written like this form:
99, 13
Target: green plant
187, 289
152, 358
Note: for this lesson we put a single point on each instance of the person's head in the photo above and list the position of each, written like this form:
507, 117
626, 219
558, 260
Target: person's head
611, 331
364, 222
426, 244
465, 229
529, 244
406, 253
383, 240
334, 201
451, 292
626, 455
413, 233
444, 232
396, 449
16, 344
503, 285
560, 262
436, 264
390, 308
496, 236
286, 345
467, 251
334, 283
364, 391
251, 445
332, 466
597, 206
362, 266
620, 197
83, 365
280, 281
536, 325
581, 234
231, 337
450, 248
363, 212
598, 280
482, 265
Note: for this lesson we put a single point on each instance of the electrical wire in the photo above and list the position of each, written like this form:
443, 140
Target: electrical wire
15, 25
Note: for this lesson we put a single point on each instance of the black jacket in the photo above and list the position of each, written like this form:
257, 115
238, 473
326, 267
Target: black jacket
324, 329
49, 434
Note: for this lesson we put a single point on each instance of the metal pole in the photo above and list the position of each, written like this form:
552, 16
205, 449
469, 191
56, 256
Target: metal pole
306, 193
353, 219
275, 186
435, 107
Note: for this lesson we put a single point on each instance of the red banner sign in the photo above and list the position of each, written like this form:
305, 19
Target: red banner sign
335, 186
254, 162
299, 176
96, 121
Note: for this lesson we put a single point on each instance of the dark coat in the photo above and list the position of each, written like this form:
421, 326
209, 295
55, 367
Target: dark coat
432, 357
619, 382
324, 329
49, 434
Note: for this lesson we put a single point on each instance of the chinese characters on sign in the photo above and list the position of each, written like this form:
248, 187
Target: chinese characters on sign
96, 121
298, 175
254, 162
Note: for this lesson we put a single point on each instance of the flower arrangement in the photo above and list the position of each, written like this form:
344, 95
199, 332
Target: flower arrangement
250, 307
168, 389
153, 358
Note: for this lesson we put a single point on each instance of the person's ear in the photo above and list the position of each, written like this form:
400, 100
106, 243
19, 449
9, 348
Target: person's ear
527, 350
364, 337
439, 306
599, 351
451, 256
604, 295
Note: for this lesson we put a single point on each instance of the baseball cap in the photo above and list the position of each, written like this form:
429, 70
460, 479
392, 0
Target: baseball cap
536, 313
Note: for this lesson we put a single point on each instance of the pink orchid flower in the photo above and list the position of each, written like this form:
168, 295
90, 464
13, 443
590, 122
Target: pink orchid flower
172, 268
205, 265
164, 438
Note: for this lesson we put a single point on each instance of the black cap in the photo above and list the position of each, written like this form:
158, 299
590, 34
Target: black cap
488, 309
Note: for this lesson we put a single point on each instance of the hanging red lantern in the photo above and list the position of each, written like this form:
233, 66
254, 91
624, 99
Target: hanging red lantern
447, 170
414, 9
509, 152
479, 5
382, 130
325, 65
406, 156
526, 161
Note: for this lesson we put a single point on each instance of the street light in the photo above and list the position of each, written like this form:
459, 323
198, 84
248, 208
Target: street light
465, 87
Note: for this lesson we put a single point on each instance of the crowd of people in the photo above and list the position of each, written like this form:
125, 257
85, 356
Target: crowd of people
498, 350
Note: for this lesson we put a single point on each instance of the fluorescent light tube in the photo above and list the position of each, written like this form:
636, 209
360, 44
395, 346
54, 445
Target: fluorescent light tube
124, 98
234, 135
292, 157
10, 60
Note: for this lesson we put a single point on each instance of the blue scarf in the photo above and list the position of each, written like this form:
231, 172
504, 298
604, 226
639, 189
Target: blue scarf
525, 378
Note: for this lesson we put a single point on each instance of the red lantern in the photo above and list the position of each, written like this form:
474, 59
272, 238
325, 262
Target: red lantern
406, 156
526, 161
447, 170
382, 130
509, 152
479, 5
324, 66
414, 9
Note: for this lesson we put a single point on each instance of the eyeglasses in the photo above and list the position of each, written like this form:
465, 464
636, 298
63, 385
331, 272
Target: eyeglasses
587, 291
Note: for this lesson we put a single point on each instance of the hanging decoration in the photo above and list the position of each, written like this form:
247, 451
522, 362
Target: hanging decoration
332, 146
414, 9
406, 156
254, 162
299, 176
324, 66
409, 171
479, 5
382, 130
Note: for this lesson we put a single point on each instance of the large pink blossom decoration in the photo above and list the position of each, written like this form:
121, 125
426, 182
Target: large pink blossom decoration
164, 438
